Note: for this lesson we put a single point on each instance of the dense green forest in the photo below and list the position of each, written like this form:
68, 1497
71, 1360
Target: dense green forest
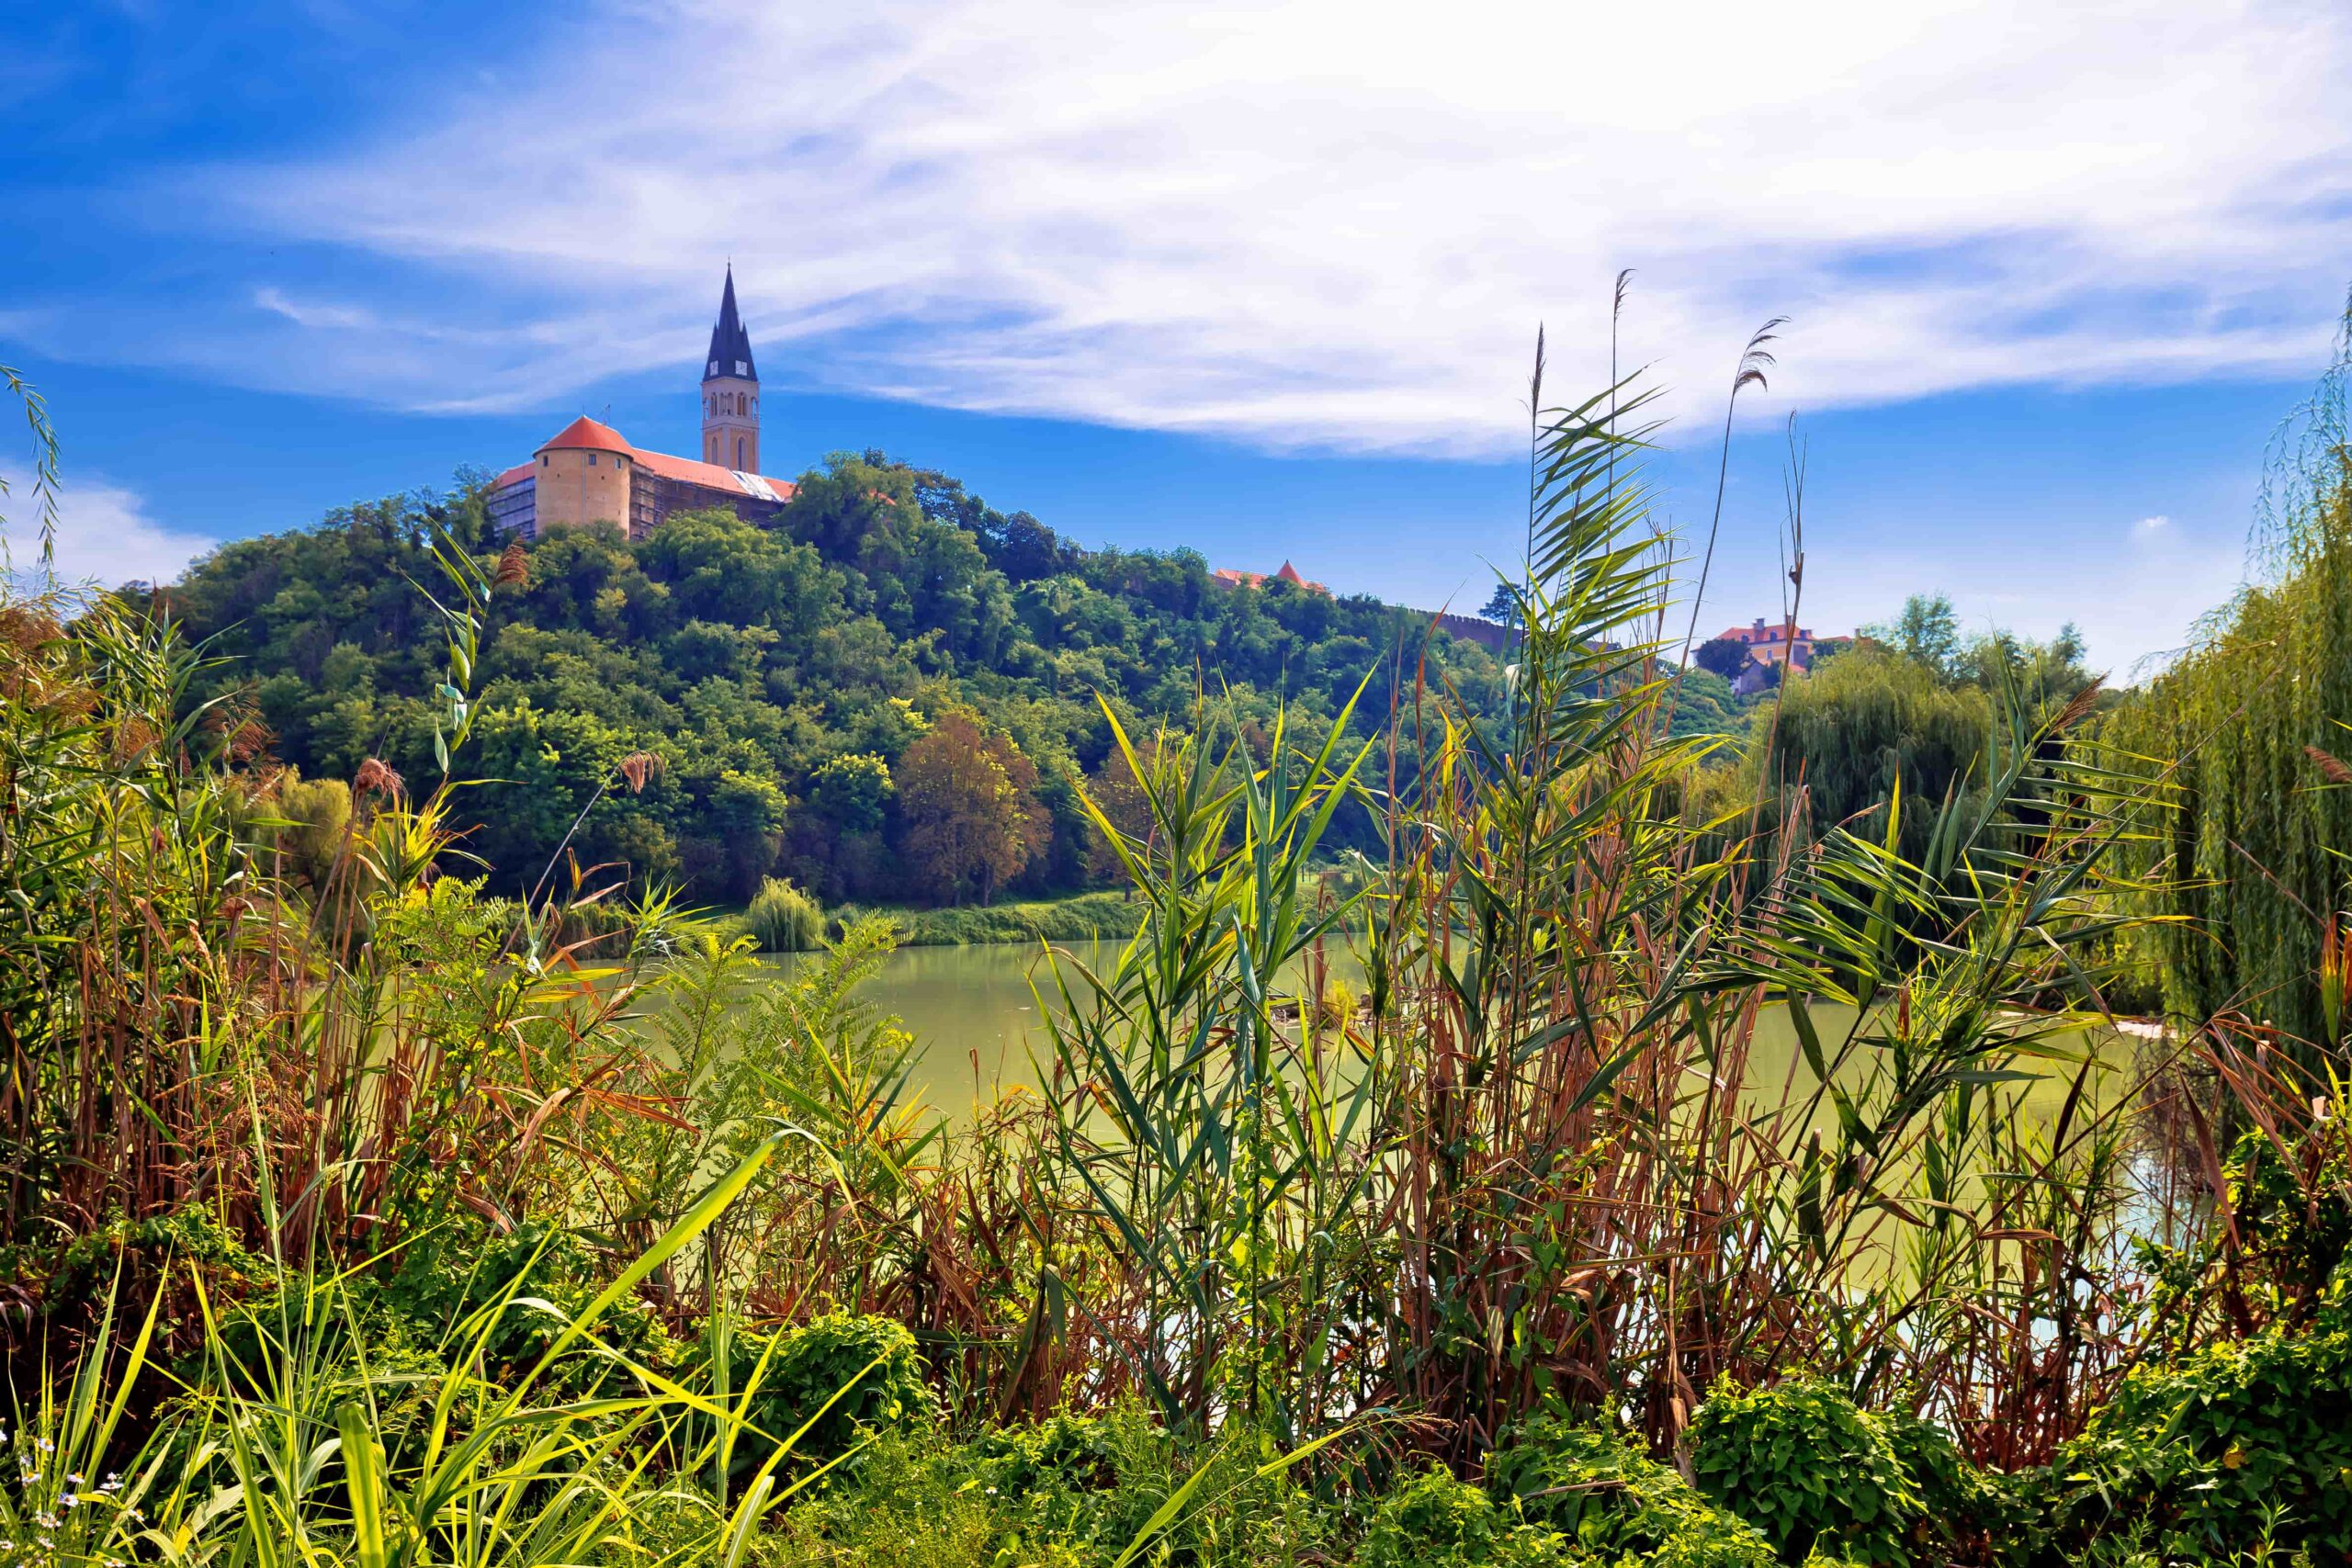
888, 695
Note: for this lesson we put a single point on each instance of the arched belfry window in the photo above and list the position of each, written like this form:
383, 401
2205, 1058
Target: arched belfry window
738, 452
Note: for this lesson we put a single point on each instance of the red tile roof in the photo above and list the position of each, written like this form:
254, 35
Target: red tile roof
586, 433
712, 477
1230, 577
1763, 632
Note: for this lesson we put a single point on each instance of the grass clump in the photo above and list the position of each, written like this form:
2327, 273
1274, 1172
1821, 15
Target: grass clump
782, 919
1088, 917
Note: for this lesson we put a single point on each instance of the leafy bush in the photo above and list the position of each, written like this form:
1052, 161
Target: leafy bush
787, 1377
1967, 1509
2294, 1209
454, 1270
1079, 1451
1606, 1497
2231, 1447
1069, 1492
782, 918
914, 1503
317, 817
1437, 1521
1805, 1466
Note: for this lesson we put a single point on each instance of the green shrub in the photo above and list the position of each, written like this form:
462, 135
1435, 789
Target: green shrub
1801, 1464
2294, 1210
317, 817
2232, 1447
449, 1271
782, 918
1609, 1499
1091, 1483
1437, 1521
1079, 1452
788, 1376
913, 1502
1069, 1492
1967, 1510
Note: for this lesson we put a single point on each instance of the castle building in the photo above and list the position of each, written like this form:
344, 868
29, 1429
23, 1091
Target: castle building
1771, 644
588, 472
1233, 577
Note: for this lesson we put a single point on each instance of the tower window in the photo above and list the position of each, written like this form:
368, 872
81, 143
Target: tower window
543, 459
592, 459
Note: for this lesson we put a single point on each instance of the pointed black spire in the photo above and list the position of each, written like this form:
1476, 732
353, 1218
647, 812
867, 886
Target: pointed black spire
731, 345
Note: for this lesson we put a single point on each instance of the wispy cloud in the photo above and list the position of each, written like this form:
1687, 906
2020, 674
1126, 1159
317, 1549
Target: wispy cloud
2148, 527
1314, 224
105, 536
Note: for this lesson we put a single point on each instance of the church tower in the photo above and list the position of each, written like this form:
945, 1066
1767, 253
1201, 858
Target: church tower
730, 392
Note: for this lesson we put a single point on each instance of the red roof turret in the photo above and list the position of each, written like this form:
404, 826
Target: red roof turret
585, 435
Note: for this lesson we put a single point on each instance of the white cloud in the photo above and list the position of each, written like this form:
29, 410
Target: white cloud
105, 537
1316, 222
2149, 526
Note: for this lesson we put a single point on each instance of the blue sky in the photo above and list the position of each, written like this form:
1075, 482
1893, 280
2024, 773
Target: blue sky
1257, 279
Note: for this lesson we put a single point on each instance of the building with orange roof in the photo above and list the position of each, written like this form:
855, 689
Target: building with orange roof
588, 472
1771, 644
1229, 577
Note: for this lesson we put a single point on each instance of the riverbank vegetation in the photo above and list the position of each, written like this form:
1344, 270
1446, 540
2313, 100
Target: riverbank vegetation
361, 1209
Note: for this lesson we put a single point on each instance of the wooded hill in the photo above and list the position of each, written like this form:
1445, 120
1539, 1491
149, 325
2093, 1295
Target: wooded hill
886, 695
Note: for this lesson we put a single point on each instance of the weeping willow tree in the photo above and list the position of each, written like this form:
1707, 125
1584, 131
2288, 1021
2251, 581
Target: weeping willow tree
1845, 734
2241, 737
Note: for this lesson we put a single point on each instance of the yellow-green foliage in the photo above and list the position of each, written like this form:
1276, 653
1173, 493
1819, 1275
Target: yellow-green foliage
1850, 729
2251, 851
1609, 1499
1801, 1464
317, 813
784, 920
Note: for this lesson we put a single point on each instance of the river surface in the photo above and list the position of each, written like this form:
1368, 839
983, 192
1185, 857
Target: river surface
976, 1019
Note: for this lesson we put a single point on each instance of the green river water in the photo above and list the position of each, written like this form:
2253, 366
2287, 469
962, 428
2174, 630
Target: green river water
975, 1017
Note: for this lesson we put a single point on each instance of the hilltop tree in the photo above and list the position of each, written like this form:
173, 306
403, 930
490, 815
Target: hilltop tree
1502, 607
1927, 633
969, 806
1724, 656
